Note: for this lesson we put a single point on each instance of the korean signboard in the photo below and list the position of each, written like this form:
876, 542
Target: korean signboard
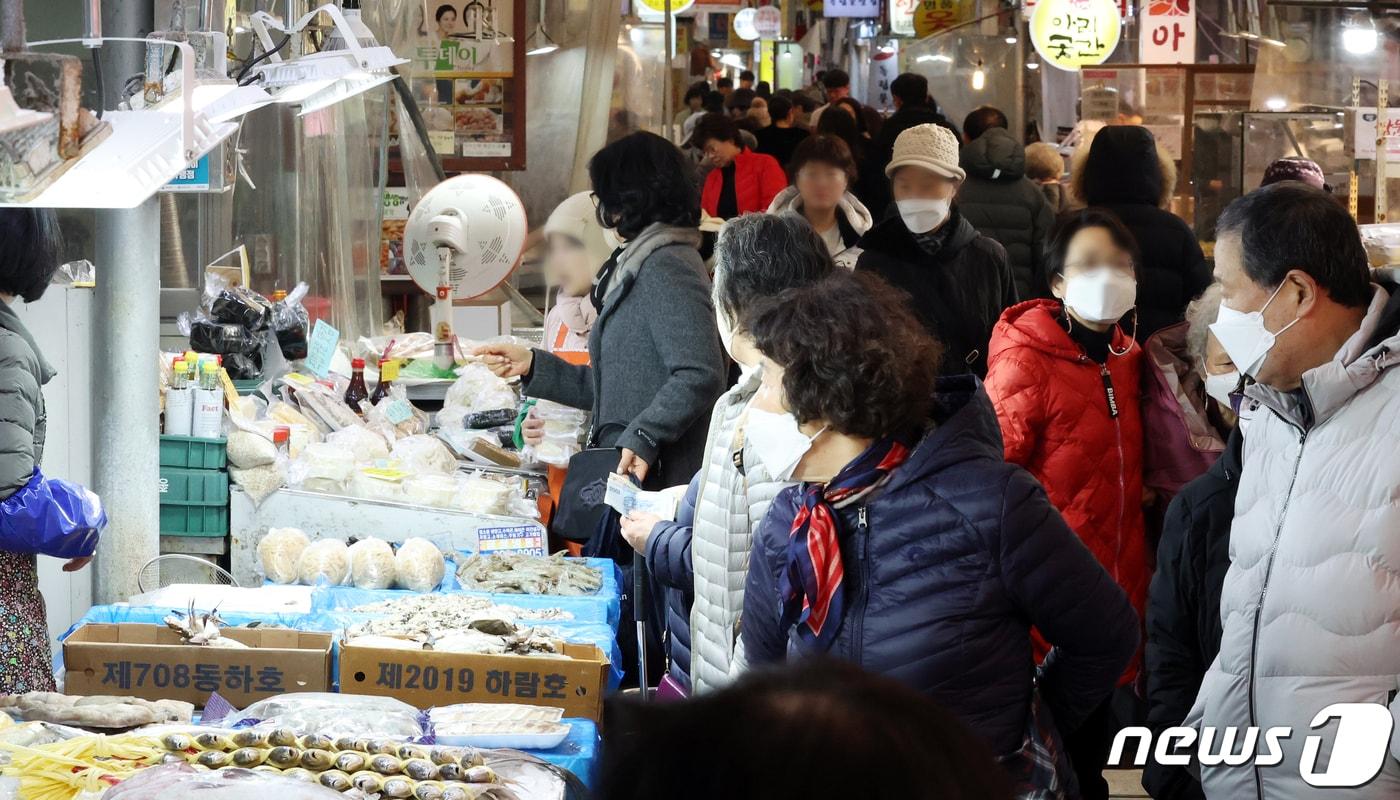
1168, 31
884, 68
851, 8
902, 17
1364, 135
932, 16
1071, 34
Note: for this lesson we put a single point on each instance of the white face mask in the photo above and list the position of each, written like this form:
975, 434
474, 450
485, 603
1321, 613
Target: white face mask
1244, 336
922, 216
1100, 295
777, 442
1220, 387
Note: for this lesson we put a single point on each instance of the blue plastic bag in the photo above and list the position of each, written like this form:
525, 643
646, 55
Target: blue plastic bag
51, 517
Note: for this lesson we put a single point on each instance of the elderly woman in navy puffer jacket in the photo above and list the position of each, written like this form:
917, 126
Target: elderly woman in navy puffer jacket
913, 549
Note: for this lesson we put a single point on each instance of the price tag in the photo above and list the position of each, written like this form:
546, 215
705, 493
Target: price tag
320, 348
398, 411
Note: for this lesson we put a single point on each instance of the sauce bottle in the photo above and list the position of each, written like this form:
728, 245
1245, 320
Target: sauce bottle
357, 393
179, 402
388, 373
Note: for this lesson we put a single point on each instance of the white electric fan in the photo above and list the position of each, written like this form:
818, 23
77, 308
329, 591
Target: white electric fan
462, 240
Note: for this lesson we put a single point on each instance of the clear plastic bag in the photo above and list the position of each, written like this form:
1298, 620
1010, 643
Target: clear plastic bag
478, 389
325, 562
337, 715
247, 450
290, 323
424, 454
371, 487
259, 483
372, 564
363, 442
419, 565
236, 305
322, 467
280, 553
437, 491
381, 417
481, 495
328, 407
185, 781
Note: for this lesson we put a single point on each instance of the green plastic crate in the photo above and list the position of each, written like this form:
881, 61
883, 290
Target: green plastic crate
193, 520
205, 487
186, 452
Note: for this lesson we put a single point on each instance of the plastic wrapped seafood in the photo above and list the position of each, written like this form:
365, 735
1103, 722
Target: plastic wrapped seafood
482, 495
95, 711
363, 442
430, 489
372, 564
324, 562
184, 781
454, 623
419, 565
525, 574
499, 725
280, 553
336, 715
322, 467
478, 389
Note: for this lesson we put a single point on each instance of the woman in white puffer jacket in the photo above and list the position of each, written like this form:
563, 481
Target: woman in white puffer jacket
822, 171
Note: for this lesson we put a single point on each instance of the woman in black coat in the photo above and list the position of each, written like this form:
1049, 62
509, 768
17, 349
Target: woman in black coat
1123, 174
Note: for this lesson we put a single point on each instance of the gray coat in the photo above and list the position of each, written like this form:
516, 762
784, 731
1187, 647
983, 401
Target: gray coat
1004, 205
23, 372
657, 366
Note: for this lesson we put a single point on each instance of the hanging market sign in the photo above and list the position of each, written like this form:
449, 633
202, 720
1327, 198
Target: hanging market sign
902, 17
744, 26
768, 21
1071, 34
851, 8
1168, 32
658, 7
932, 16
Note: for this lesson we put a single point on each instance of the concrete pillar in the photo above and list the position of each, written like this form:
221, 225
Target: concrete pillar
126, 402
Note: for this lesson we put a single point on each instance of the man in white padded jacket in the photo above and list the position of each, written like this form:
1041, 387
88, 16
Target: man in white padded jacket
1311, 603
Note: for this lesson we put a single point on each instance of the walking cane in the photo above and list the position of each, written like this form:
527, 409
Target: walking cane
640, 611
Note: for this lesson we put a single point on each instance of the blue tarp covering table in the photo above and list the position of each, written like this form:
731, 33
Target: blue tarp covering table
578, 753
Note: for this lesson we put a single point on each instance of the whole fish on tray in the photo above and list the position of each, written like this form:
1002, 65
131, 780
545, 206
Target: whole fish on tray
515, 573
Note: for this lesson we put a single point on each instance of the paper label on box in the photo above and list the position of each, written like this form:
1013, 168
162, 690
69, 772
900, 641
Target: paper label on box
626, 497
524, 539
320, 348
398, 411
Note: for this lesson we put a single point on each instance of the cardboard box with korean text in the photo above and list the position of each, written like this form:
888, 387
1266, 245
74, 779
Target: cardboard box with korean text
574, 681
149, 661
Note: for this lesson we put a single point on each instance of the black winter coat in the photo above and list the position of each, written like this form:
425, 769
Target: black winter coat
1183, 607
1122, 174
959, 292
947, 568
1002, 203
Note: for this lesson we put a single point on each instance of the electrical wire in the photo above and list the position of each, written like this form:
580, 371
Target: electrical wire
253, 62
415, 116
97, 79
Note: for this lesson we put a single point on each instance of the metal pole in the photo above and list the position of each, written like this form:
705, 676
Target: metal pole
666, 121
126, 444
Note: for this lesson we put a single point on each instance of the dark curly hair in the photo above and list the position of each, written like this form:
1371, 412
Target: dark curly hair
823, 149
640, 180
854, 354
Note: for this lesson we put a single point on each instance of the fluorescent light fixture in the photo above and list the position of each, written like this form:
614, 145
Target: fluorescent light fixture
1032, 65
925, 58
146, 148
319, 80
1276, 103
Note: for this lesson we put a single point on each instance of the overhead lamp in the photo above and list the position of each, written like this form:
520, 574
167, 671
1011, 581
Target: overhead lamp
1012, 40
318, 80
146, 148
1276, 103
1032, 65
1360, 39
979, 77
925, 58
732, 60
542, 42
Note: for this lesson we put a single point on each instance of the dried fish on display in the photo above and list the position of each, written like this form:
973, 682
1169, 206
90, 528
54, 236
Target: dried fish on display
515, 573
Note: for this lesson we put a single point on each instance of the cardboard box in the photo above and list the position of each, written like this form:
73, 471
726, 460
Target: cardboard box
149, 661
574, 682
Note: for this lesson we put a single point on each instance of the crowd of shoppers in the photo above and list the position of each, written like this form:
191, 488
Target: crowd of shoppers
993, 432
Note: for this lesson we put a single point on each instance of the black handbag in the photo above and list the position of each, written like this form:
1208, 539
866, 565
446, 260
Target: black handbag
581, 503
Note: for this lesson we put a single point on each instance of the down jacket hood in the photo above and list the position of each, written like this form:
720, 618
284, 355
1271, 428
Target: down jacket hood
995, 155
9, 321
1122, 167
858, 217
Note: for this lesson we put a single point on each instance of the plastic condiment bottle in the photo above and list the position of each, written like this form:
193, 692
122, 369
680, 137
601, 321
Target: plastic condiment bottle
209, 404
356, 393
282, 439
388, 373
279, 295
179, 401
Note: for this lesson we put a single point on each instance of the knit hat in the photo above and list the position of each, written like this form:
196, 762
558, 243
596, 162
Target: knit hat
930, 146
577, 217
1294, 168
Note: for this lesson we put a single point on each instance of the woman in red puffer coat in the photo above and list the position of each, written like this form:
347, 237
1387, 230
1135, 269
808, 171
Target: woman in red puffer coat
1064, 377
